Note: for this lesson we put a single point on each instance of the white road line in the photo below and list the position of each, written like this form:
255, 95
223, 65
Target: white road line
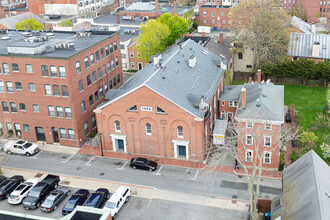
64, 161
122, 168
35, 156
158, 171
88, 163
149, 203
195, 175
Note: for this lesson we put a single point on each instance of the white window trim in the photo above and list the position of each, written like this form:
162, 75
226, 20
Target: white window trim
118, 136
270, 126
183, 143
180, 136
223, 103
116, 130
231, 103
246, 156
270, 157
247, 139
270, 141
148, 133
232, 115
248, 123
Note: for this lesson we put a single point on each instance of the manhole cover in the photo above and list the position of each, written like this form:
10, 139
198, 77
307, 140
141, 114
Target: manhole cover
78, 168
188, 172
267, 197
38, 175
240, 176
234, 197
65, 182
118, 163
64, 157
101, 174
233, 201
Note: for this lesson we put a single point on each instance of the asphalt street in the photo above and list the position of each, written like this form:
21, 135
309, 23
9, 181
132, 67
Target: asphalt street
193, 181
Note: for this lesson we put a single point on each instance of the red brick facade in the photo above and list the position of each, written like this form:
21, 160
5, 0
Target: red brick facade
134, 61
214, 17
73, 101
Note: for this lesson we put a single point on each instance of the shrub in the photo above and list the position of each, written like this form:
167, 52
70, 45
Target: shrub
66, 23
92, 134
282, 161
294, 156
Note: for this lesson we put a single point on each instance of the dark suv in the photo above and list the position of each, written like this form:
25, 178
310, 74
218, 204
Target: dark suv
9, 185
37, 195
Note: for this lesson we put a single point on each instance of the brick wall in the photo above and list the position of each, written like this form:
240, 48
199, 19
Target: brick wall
214, 17
135, 59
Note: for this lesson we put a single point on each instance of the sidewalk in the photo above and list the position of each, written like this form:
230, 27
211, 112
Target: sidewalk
140, 191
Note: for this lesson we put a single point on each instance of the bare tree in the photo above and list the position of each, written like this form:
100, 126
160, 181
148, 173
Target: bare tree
242, 139
299, 10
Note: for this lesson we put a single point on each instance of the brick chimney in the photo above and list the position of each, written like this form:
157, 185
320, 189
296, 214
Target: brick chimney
118, 19
250, 80
156, 6
243, 98
259, 76
221, 39
174, 7
203, 34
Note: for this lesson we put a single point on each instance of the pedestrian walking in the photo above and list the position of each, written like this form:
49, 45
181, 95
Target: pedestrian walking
236, 165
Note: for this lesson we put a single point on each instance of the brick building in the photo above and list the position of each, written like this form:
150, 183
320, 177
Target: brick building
10, 22
215, 16
50, 83
258, 110
12, 7
167, 109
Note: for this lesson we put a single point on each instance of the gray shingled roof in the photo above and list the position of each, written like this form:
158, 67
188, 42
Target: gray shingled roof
263, 102
176, 80
231, 93
11, 21
17, 39
219, 49
301, 45
304, 185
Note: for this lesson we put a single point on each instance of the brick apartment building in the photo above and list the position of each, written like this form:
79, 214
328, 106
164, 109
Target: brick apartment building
12, 7
312, 7
167, 109
258, 109
215, 16
218, 2
50, 83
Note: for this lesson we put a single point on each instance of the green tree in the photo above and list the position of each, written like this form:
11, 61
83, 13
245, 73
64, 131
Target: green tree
323, 71
305, 68
262, 24
66, 23
177, 26
29, 24
326, 150
308, 138
152, 40
299, 11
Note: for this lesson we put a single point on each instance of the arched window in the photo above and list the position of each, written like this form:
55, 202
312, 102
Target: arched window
148, 129
117, 126
180, 131
240, 55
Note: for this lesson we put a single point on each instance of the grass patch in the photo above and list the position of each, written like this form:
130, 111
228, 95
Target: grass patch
238, 82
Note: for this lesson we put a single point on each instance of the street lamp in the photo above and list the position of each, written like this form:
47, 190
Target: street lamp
100, 134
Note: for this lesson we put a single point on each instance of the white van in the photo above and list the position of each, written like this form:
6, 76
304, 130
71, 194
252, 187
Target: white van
117, 200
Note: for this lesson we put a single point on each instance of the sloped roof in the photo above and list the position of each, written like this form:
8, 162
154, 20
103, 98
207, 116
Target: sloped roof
176, 80
305, 183
301, 25
231, 93
301, 45
263, 102
10, 22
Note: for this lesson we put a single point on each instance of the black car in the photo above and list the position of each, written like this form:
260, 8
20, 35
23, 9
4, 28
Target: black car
37, 195
98, 198
76, 199
2, 178
143, 163
9, 185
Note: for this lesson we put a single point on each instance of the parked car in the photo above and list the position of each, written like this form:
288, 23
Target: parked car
117, 200
21, 147
76, 199
40, 191
54, 199
9, 185
143, 163
21, 191
98, 198
2, 178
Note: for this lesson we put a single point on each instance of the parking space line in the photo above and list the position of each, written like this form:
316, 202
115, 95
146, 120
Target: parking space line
195, 175
158, 171
35, 156
88, 163
64, 161
122, 168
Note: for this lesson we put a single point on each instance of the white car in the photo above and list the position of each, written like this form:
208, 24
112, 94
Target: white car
117, 200
21, 147
21, 191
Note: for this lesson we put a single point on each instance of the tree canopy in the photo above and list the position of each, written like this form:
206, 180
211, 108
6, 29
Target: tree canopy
263, 29
29, 24
66, 23
153, 39
158, 34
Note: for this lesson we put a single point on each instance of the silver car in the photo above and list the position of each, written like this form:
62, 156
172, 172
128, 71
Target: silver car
54, 199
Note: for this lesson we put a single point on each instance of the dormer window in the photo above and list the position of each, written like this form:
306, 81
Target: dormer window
161, 111
133, 109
